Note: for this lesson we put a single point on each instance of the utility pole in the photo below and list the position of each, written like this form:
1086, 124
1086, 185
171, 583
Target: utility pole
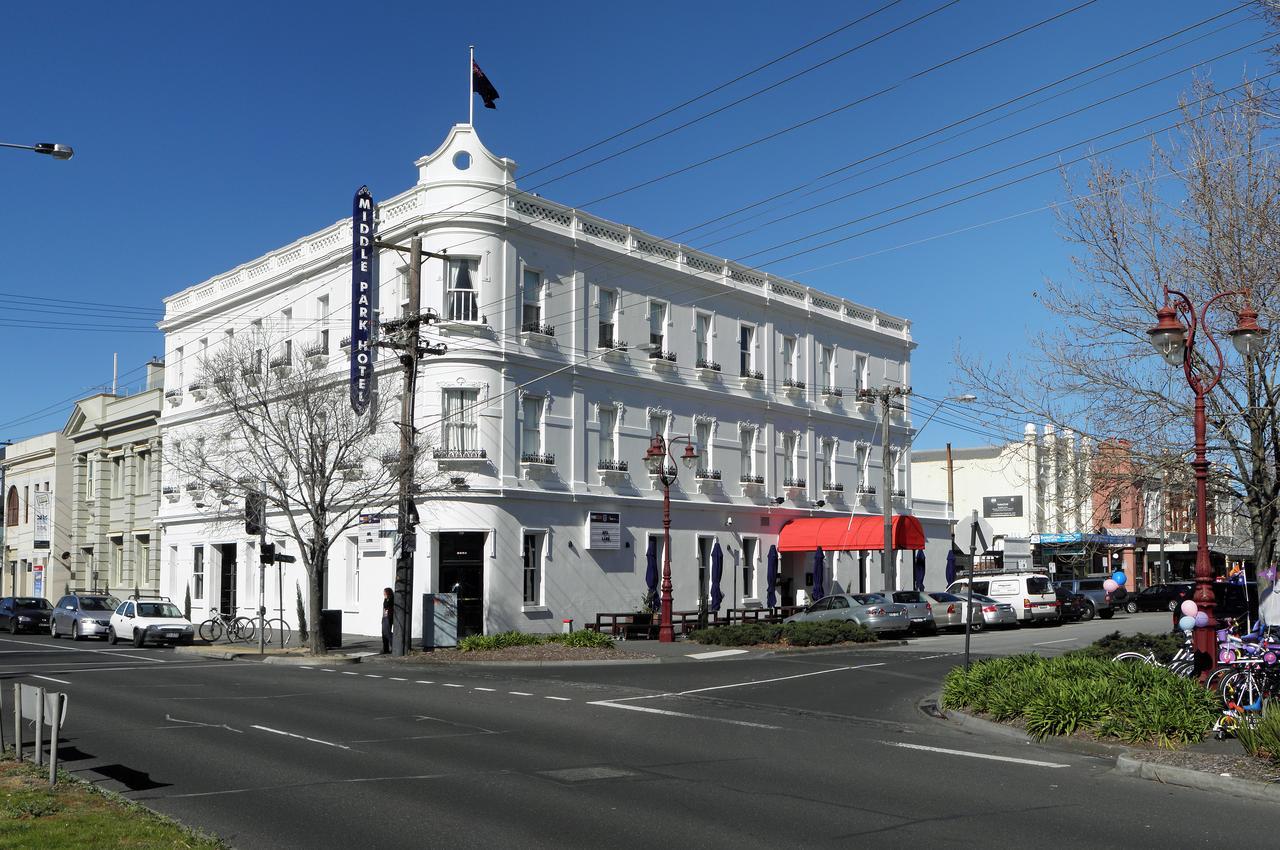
951, 496
4, 521
406, 338
886, 395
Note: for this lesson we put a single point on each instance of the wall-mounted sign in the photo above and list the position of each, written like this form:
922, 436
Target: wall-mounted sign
604, 530
364, 298
1001, 506
37, 580
41, 504
374, 540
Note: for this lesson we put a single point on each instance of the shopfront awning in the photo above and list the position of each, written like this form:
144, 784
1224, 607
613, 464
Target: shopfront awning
840, 534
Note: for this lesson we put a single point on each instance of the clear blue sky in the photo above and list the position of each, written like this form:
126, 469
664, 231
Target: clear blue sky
206, 135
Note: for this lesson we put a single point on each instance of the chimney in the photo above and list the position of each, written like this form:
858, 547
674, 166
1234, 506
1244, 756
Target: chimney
155, 374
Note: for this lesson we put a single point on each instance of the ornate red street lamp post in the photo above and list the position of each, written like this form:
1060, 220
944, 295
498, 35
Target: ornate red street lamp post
658, 459
1177, 345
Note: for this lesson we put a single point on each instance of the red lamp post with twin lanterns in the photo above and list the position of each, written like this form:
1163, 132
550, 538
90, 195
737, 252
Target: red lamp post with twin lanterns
1176, 343
658, 459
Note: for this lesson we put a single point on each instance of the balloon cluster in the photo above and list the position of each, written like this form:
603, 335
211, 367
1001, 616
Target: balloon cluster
1114, 583
1192, 616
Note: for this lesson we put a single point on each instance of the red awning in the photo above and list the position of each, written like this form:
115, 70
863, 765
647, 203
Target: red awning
841, 534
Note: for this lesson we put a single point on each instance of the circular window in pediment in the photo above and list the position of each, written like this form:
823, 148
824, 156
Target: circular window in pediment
462, 160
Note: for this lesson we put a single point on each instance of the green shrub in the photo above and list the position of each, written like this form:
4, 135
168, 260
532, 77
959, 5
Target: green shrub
1109, 646
1263, 738
582, 638
303, 634
794, 634
502, 640
1135, 703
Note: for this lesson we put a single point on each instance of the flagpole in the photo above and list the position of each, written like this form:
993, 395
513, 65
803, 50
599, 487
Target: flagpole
471, 88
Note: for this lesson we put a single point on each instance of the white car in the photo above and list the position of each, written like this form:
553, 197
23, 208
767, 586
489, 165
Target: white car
156, 620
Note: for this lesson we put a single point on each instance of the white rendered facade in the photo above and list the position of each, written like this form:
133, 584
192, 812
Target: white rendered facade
537, 382
37, 471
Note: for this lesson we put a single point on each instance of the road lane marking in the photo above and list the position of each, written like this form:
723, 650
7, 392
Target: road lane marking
943, 655
1051, 642
50, 679
85, 668
300, 737
398, 679
451, 685
608, 704
423, 682
752, 682
305, 667
519, 694
195, 724
488, 690
720, 653
82, 649
349, 673
972, 755
371, 676
327, 670
560, 699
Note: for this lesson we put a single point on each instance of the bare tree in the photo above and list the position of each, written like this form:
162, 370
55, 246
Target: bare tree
282, 425
1201, 217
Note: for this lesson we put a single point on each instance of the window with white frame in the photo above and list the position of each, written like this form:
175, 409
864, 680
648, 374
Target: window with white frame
286, 327
460, 419
197, 573
322, 319
750, 552
532, 444
828, 367
117, 476
702, 436
91, 478
861, 374
608, 318
899, 472
608, 415
747, 349
702, 334
828, 463
531, 300
179, 361
462, 303
789, 364
658, 326
402, 289
747, 451
862, 459
352, 601
790, 447
659, 422
533, 568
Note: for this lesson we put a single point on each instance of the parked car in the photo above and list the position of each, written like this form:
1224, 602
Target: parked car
24, 613
1073, 606
1159, 597
1029, 594
995, 614
1103, 603
866, 609
83, 615
919, 610
157, 620
948, 611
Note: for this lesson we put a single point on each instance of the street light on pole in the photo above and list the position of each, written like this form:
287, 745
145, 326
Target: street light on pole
1176, 343
46, 148
656, 458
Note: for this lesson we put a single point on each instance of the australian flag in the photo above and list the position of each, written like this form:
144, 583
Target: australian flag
483, 87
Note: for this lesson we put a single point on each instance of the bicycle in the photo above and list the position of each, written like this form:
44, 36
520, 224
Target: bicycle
1183, 662
235, 628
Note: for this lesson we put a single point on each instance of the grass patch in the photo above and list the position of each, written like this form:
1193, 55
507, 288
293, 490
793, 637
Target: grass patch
1262, 740
1165, 645
790, 634
1133, 703
75, 815
502, 640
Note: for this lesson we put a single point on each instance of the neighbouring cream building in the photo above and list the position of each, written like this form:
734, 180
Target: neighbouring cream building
37, 514
572, 340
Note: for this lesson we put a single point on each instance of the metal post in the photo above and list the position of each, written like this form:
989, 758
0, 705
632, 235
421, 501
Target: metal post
55, 730
402, 611
1164, 563
17, 721
39, 726
262, 600
666, 633
886, 460
968, 607
1, 711
1205, 639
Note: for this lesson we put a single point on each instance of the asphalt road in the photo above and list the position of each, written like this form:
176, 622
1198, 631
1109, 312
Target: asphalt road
764, 752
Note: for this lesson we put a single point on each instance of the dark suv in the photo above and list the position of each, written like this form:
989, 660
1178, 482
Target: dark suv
1101, 603
1159, 597
24, 613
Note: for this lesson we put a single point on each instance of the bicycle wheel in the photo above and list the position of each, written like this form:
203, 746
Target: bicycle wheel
211, 630
1244, 689
1182, 669
1134, 658
1214, 682
244, 628
279, 630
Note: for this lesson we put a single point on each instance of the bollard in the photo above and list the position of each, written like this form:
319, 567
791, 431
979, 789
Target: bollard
1, 723
566, 625
55, 729
39, 726
17, 721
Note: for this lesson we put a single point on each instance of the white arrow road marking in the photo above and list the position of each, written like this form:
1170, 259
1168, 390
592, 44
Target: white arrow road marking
968, 754
300, 737
720, 653
608, 704
193, 724
50, 679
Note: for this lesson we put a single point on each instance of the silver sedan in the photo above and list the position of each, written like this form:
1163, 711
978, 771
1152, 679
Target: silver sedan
865, 609
996, 614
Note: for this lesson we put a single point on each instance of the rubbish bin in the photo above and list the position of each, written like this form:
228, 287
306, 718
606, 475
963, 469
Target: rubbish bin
331, 628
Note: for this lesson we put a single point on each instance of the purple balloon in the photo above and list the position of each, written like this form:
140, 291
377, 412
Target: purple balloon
1202, 619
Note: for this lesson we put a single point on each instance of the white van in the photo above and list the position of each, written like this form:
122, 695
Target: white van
1030, 594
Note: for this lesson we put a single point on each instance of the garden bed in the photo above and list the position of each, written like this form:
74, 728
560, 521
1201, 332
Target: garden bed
784, 635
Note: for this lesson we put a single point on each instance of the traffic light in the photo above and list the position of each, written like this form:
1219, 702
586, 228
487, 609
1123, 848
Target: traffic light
268, 553
255, 509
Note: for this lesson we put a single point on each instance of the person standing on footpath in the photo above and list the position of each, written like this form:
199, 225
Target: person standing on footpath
388, 606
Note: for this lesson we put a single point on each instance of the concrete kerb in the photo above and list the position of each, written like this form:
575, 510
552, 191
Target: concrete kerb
1127, 763
252, 655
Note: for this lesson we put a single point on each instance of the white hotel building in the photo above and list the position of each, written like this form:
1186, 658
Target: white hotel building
545, 404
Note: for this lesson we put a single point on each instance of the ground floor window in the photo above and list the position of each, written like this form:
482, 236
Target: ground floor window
750, 548
533, 569
197, 573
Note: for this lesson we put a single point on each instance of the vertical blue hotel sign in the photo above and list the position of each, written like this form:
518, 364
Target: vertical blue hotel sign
364, 298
